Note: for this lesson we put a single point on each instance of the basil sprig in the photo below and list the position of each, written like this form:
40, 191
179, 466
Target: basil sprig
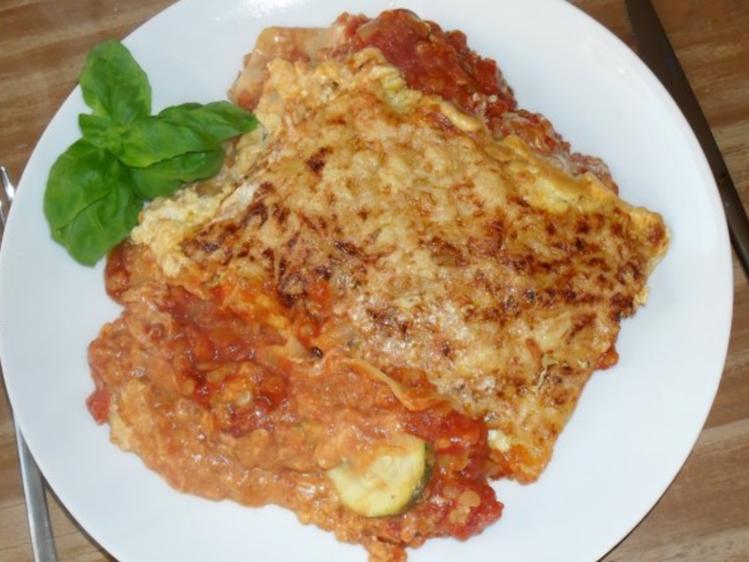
97, 187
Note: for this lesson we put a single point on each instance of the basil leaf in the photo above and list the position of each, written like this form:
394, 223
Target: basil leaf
221, 120
76, 180
179, 129
150, 139
114, 85
165, 177
102, 225
101, 131
89, 202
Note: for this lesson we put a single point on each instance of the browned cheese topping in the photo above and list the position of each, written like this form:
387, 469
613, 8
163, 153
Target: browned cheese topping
444, 249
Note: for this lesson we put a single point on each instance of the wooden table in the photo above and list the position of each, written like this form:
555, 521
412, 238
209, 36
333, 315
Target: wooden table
704, 516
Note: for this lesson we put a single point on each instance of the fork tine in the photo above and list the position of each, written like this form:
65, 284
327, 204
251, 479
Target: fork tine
6, 195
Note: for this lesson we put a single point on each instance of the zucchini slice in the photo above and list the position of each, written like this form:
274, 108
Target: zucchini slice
388, 483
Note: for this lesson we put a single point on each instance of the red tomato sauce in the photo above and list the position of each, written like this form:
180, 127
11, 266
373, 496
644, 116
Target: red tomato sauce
464, 440
434, 61
214, 403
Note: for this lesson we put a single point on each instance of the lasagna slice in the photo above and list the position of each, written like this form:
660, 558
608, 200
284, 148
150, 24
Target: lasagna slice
385, 299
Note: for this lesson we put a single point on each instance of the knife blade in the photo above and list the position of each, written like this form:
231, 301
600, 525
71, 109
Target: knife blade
656, 51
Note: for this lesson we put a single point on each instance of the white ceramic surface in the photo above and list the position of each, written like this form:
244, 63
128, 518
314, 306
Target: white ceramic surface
635, 424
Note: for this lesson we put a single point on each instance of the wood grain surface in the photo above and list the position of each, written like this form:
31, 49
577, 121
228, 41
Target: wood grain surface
704, 515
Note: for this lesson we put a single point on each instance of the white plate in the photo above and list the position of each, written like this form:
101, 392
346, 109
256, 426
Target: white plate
633, 427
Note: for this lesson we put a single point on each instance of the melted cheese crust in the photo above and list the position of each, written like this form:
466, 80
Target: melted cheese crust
442, 249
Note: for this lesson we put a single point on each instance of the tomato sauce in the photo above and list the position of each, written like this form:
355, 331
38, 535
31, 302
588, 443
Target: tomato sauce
434, 61
225, 408
460, 475
98, 405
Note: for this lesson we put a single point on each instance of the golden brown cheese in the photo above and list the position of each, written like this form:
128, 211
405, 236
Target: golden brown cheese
470, 258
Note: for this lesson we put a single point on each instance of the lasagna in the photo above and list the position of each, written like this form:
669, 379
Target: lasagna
393, 293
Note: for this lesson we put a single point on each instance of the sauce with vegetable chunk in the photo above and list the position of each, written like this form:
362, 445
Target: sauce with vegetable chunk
215, 397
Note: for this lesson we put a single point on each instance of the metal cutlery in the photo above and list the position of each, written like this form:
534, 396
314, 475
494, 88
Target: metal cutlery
656, 51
